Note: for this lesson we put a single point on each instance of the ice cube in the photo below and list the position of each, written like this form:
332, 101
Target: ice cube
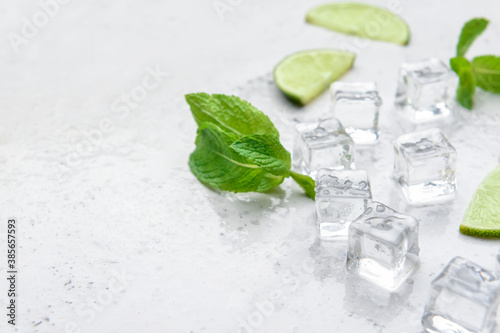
425, 165
323, 144
464, 298
426, 89
341, 196
356, 105
383, 246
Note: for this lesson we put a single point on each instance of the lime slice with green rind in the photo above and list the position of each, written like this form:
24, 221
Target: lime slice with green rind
482, 218
304, 75
361, 20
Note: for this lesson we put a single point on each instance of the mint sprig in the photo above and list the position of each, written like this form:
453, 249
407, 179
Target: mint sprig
470, 31
238, 148
482, 71
467, 85
487, 72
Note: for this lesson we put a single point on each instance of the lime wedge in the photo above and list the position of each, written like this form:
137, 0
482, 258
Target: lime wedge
304, 75
361, 20
482, 218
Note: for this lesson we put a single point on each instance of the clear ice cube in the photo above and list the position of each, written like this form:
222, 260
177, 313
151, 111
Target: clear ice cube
424, 166
356, 105
426, 89
341, 196
383, 246
323, 144
464, 298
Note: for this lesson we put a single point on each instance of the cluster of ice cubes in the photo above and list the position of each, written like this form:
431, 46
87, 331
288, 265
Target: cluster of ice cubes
382, 244
329, 143
425, 161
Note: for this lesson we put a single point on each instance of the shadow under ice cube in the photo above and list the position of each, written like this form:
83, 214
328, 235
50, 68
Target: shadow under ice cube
323, 144
426, 89
424, 166
383, 246
341, 196
464, 298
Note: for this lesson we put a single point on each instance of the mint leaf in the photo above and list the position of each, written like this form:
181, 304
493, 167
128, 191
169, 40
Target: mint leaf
469, 33
218, 166
230, 113
486, 71
306, 183
467, 84
265, 151
238, 148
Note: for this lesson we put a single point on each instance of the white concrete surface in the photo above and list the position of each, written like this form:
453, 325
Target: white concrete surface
116, 234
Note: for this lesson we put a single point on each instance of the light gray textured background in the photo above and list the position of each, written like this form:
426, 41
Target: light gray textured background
116, 234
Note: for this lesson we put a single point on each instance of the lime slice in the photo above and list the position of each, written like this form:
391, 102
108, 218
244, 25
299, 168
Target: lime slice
304, 75
361, 20
482, 218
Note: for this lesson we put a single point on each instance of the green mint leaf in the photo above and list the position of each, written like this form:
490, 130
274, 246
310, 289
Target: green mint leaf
469, 33
265, 151
486, 71
306, 183
230, 113
218, 166
467, 84
238, 148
